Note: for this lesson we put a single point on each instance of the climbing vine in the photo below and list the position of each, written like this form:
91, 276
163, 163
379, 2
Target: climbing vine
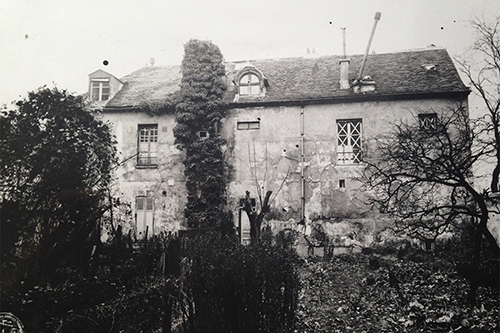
200, 107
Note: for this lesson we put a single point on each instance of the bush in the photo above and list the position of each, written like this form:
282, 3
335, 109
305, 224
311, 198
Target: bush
233, 288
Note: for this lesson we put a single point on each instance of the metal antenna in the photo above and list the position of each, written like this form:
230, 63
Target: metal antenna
343, 41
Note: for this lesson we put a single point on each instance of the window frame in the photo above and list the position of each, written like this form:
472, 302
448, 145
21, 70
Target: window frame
203, 134
102, 84
428, 121
249, 84
144, 215
147, 136
349, 141
246, 125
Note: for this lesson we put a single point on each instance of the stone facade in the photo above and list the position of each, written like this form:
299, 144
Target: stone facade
160, 182
298, 146
292, 128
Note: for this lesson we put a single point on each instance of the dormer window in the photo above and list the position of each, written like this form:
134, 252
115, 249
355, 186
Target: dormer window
250, 82
249, 85
100, 89
103, 86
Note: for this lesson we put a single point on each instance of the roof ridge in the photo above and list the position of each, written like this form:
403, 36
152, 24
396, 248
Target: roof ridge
429, 48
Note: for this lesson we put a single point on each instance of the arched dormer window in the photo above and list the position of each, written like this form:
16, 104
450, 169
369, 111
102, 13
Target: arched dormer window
250, 82
249, 85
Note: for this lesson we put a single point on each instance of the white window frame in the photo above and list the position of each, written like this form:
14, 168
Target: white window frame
144, 208
247, 85
349, 141
100, 85
147, 145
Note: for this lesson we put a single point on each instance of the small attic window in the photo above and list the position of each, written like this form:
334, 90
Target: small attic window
249, 85
429, 67
99, 89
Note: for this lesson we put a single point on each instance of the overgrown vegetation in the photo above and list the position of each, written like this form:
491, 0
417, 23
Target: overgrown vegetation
199, 109
204, 284
378, 292
425, 177
234, 288
55, 171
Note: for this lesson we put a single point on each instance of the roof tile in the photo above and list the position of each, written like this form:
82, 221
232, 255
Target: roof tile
292, 79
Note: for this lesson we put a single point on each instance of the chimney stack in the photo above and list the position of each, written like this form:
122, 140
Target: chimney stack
344, 67
344, 74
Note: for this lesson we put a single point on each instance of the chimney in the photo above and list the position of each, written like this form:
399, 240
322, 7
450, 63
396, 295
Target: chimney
344, 67
152, 61
344, 74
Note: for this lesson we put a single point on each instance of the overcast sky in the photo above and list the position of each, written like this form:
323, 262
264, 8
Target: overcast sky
47, 42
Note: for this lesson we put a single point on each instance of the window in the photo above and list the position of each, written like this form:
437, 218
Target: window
100, 89
144, 206
428, 121
248, 125
249, 85
148, 145
341, 183
349, 141
203, 134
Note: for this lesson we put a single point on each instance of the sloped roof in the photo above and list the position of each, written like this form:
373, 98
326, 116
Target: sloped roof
393, 73
147, 85
295, 79
102, 73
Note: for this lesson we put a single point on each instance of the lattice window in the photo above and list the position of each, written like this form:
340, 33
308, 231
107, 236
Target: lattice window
349, 136
148, 145
428, 121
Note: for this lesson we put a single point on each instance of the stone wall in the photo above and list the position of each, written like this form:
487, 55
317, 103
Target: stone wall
270, 158
164, 183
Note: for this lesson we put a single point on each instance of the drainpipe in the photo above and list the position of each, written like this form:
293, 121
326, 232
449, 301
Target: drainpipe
302, 160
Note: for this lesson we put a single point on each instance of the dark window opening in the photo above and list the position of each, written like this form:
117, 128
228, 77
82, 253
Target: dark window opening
202, 134
428, 121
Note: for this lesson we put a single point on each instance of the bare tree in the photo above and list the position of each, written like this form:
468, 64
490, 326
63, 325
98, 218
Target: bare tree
256, 211
481, 65
425, 177
422, 174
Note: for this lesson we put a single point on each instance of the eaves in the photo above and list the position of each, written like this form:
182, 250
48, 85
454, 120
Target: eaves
456, 95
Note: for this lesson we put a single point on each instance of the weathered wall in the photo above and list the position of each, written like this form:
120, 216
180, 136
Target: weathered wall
165, 183
262, 158
268, 158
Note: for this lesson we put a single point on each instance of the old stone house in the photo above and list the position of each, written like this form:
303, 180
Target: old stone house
295, 126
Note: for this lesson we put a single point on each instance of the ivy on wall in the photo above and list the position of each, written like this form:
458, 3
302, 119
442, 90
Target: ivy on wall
199, 108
